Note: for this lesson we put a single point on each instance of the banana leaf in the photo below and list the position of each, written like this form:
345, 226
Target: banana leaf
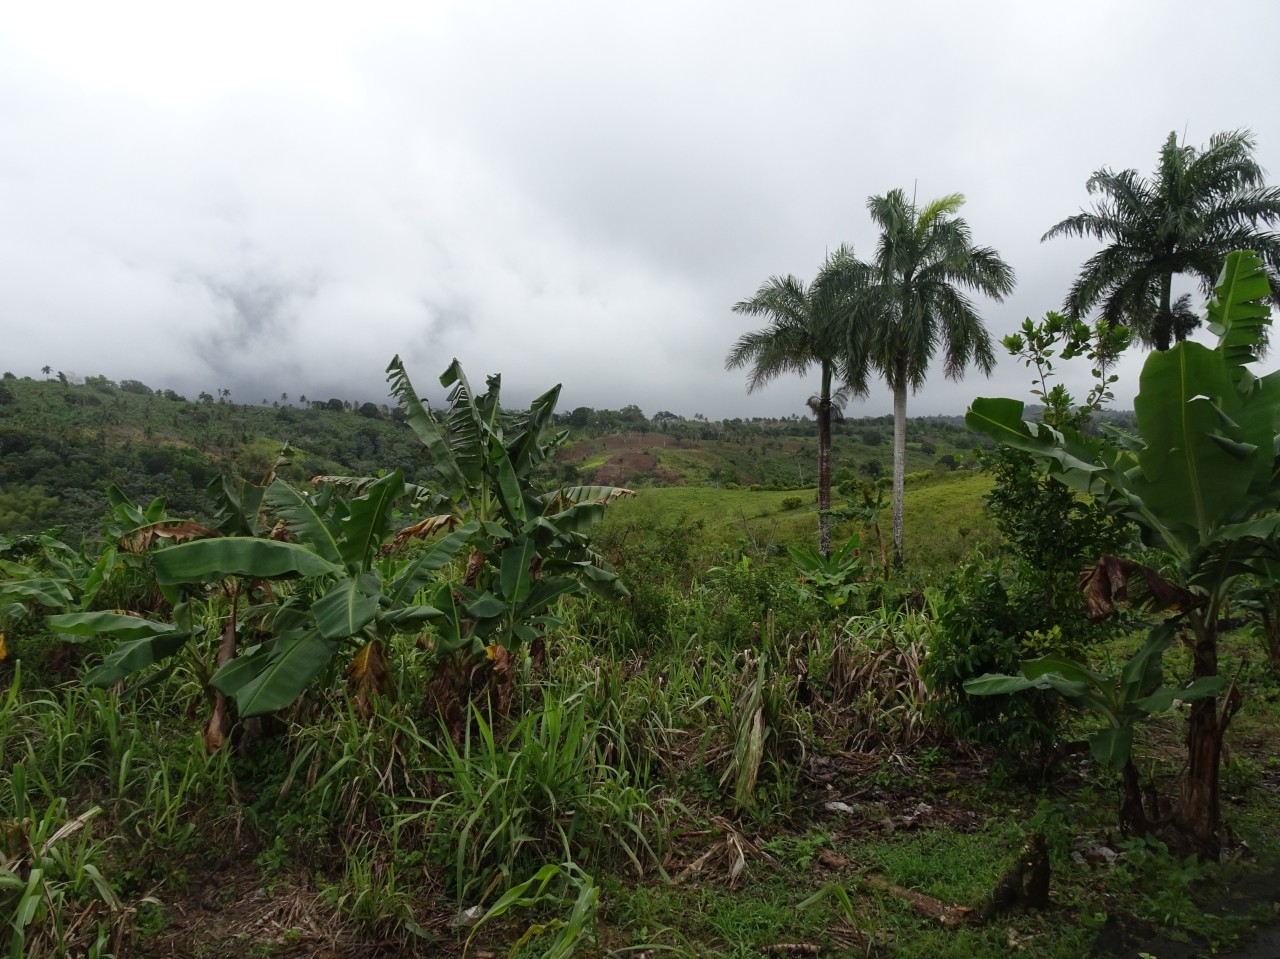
367, 523
88, 625
305, 520
133, 655
210, 560
349, 607
276, 674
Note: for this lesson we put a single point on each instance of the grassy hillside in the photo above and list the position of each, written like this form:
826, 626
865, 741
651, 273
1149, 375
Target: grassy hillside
782, 454
944, 516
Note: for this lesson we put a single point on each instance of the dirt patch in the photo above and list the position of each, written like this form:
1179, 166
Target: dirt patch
230, 910
623, 469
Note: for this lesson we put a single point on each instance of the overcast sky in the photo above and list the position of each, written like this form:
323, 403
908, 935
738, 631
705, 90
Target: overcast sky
278, 197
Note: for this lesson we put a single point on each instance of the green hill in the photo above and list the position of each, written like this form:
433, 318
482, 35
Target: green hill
63, 442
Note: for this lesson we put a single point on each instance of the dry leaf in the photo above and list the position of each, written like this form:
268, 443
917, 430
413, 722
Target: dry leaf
1109, 582
370, 674
174, 531
428, 527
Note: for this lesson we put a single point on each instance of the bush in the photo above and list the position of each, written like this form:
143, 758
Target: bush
982, 628
791, 502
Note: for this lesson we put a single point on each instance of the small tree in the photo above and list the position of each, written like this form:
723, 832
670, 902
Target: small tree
1200, 486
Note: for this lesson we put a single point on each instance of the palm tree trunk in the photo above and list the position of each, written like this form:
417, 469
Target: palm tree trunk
899, 454
1162, 325
824, 474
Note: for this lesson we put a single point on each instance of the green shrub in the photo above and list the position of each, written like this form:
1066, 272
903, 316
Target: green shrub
983, 628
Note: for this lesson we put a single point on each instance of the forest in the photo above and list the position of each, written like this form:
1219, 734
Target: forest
343, 678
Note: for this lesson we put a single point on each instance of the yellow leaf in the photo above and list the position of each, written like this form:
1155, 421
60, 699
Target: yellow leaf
4, 652
359, 663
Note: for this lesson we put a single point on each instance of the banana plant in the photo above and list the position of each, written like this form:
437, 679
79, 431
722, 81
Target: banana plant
67, 586
526, 548
1121, 700
1200, 483
330, 588
832, 579
351, 596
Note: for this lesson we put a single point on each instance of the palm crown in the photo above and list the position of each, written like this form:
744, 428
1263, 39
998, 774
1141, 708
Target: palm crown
807, 326
916, 302
1200, 205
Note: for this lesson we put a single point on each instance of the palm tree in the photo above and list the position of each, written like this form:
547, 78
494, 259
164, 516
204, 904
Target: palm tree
925, 261
46, 369
807, 325
1201, 205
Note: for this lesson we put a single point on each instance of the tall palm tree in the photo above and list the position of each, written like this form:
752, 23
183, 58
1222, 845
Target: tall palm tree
1201, 205
807, 326
924, 263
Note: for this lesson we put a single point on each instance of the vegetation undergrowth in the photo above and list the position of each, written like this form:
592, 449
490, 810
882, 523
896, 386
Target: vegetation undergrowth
371, 717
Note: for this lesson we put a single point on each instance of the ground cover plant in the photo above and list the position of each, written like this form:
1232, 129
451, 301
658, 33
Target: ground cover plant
478, 710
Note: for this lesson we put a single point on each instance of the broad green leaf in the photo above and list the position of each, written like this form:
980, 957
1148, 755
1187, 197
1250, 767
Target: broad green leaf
1143, 670
1112, 746
561, 499
807, 560
508, 483
528, 450
1066, 667
124, 508
515, 579
112, 624
440, 553
602, 582
578, 518
45, 592
470, 421
995, 684
545, 592
209, 560
365, 527
1001, 419
133, 655
410, 616
1165, 697
304, 519
276, 675
449, 625
485, 606
1187, 478
349, 607
97, 576
1237, 312
424, 425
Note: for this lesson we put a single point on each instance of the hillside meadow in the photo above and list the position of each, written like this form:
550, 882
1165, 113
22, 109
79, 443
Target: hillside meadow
679, 730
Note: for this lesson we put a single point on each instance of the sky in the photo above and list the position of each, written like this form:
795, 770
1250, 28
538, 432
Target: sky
277, 197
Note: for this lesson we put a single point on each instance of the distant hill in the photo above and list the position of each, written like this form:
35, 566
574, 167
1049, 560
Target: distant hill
62, 442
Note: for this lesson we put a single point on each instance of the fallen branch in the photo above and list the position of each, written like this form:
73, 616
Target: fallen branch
929, 907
